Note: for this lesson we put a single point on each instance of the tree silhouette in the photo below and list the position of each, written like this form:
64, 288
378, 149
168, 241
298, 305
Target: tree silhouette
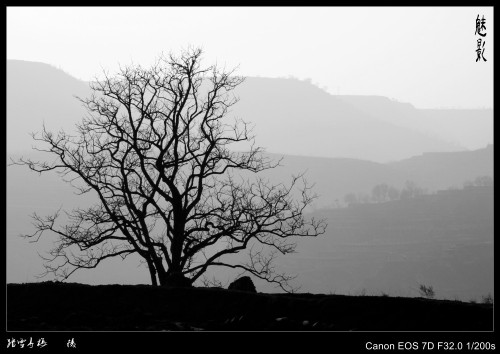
155, 147
393, 193
411, 190
483, 181
350, 199
380, 193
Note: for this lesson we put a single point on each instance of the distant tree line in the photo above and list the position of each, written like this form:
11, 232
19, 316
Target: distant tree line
480, 181
384, 193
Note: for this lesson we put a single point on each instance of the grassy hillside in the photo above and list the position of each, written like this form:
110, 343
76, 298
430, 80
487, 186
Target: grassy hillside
77, 307
439, 170
443, 240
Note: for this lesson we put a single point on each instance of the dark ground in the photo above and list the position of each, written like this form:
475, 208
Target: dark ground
51, 306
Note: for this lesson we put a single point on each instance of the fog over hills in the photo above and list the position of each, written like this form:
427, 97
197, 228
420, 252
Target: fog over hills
470, 128
290, 116
295, 117
38, 93
439, 170
334, 177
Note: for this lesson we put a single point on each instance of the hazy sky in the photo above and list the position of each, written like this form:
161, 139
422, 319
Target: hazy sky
422, 55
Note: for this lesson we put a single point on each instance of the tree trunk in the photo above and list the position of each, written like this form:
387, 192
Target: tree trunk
162, 275
176, 280
174, 276
152, 273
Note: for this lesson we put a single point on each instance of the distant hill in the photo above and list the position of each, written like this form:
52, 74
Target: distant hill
470, 128
290, 116
333, 178
38, 93
443, 240
297, 118
396, 221
440, 170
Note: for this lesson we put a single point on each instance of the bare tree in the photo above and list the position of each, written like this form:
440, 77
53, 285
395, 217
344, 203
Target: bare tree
155, 147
